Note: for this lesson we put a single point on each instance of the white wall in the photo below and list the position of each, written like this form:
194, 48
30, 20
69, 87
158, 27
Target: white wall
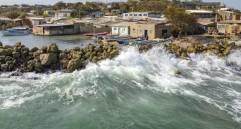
135, 15
120, 30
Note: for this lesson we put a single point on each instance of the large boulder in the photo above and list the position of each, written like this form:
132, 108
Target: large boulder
2, 59
34, 65
8, 66
18, 44
4, 67
16, 55
53, 48
6, 52
74, 64
34, 49
44, 49
48, 58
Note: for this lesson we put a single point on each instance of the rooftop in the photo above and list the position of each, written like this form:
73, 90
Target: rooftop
66, 10
199, 11
122, 24
53, 25
36, 18
230, 22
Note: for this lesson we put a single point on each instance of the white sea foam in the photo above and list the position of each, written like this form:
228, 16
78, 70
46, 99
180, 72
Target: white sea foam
154, 70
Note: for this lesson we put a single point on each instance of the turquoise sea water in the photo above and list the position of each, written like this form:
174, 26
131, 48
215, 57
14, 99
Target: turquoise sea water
66, 41
132, 91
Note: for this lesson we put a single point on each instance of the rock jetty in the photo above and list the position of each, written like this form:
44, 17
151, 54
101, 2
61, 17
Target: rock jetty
50, 58
184, 47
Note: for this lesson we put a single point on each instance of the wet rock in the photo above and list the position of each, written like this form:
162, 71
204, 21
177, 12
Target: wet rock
145, 48
34, 49
6, 51
44, 49
74, 64
51, 58
4, 67
17, 73
16, 54
18, 44
53, 48
220, 48
48, 58
2, 59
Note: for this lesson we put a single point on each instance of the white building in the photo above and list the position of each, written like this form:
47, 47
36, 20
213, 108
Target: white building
121, 29
64, 13
201, 13
37, 20
97, 14
140, 15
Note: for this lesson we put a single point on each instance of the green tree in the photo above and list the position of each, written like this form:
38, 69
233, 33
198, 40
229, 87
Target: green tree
12, 14
147, 5
59, 5
180, 20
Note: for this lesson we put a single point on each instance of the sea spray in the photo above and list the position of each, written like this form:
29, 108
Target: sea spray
132, 88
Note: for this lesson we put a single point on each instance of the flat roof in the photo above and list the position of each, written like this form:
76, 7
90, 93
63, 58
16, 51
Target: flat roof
199, 11
122, 24
66, 10
135, 12
53, 25
37, 18
230, 22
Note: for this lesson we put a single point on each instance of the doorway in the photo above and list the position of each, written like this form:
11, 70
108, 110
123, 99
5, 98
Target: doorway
146, 34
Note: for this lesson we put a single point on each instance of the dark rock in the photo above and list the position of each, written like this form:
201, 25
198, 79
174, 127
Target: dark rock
51, 58
74, 64
53, 48
34, 49
48, 59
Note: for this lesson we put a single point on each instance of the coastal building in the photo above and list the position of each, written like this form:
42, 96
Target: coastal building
56, 29
150, 30
64, 13
228, 21
97, 14
201, 13
140, 15
198, 4
37, 20
205, 18
4, 20
49, 13
118, 11
121, 29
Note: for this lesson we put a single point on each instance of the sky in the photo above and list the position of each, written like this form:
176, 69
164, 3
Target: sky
230, 3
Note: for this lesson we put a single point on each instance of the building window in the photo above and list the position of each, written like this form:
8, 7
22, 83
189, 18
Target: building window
144, 14
115, 28
126, 15
140, 14
131, 15
237, 17
135, 14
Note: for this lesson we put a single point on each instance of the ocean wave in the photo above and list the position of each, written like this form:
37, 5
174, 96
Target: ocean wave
155, 70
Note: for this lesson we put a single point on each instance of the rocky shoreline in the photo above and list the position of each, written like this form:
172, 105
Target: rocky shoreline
50, 58
182, 48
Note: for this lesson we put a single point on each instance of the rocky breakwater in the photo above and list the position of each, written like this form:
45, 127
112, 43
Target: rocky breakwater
51, 58
184, 47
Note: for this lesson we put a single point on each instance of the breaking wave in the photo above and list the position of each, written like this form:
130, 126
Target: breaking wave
205, 77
